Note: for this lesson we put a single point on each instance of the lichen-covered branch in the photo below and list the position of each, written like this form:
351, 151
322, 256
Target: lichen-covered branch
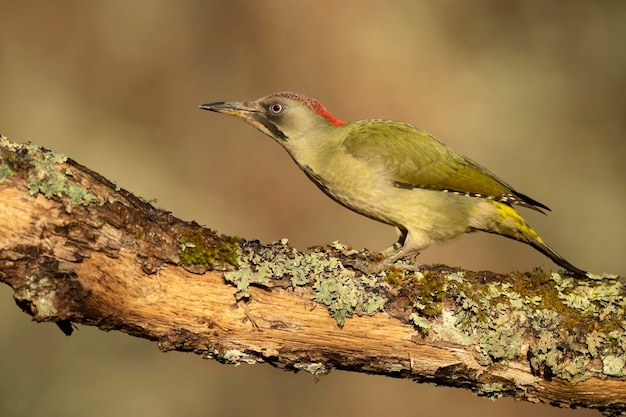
77, 249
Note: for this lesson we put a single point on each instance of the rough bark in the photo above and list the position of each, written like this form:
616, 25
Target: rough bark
77, 249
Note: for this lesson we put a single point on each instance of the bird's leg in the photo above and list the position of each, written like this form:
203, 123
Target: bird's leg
393, 251
391, 255
394, 254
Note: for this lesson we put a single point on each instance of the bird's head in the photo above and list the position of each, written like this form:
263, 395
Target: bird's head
283, 116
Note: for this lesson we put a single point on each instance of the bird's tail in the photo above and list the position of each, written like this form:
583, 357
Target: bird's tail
556, 258
513, 226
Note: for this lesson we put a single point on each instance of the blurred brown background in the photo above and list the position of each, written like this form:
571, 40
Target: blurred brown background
535, 91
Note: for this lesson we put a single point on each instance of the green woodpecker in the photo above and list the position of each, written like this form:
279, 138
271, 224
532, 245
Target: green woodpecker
393, 172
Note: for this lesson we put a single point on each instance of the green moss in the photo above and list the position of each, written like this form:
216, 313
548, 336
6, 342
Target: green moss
202, 247
396, 276
423, 290
432, 293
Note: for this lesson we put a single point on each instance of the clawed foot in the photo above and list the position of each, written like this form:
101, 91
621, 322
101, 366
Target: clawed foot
397, 255
369, 267
395, 259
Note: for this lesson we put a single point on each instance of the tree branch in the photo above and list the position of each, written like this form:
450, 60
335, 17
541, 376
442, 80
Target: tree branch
77, 249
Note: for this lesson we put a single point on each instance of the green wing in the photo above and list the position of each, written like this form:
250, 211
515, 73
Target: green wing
412, 158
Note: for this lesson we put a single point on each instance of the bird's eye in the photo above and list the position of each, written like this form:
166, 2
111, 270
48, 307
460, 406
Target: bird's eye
276, 108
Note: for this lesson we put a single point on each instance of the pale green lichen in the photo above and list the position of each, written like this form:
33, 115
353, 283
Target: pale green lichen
492, 391
422, 324
241, 278
314, 368
43, 306
237, 357
37, 291
334, 286
502, 340
544, 357
448, 329
344, 294
374, 303
456, 276
5, 171
339, 292
574, 370
613, 365
394, 367
559, 323
45, 177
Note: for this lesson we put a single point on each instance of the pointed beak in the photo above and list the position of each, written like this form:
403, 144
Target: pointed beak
242, 109
250, 111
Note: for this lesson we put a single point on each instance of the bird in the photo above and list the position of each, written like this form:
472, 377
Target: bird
395, 173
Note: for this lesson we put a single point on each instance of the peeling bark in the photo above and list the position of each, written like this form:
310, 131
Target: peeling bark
77, 249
